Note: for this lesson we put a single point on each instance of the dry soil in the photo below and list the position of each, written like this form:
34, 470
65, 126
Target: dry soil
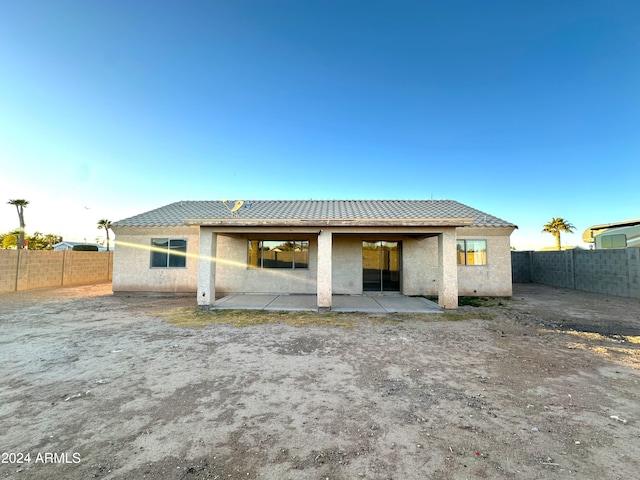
542, 385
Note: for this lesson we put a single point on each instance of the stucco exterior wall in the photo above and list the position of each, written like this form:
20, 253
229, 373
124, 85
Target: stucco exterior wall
347, 265
420, 266
233, 275
494, 278
132, 272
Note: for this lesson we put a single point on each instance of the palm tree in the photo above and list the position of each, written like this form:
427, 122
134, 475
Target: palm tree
557, 225
106, 224
50, 238
36, 241
20, 205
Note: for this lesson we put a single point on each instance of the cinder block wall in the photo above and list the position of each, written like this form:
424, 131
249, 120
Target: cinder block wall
40, 269
521, 267
611, 271
8, 269
633, 256
87, 267
602, 271
552, 268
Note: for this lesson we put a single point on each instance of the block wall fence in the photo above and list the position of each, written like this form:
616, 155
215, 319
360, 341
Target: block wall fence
29, 269
612, 271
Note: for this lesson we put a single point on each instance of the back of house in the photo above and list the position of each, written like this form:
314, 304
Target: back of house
323, 247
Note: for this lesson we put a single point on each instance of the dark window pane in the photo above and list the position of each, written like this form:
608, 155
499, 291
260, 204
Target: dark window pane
159, 251
301, 254
276, 254
390, 266
167, 252
614, 241
619, 240
178, 253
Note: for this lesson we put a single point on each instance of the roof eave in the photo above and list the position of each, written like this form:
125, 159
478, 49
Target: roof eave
333, 222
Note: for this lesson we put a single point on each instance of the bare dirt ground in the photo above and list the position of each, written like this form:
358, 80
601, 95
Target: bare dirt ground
544, 385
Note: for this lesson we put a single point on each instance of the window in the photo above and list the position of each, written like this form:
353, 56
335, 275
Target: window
278, 254
168, 253
472, 252
618, 240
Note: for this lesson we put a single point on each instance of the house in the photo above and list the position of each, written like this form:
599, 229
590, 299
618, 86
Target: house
614, 235
64, 245
324, 247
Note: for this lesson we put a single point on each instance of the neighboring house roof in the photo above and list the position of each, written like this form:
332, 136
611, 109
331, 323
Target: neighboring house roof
195, 212
70, 245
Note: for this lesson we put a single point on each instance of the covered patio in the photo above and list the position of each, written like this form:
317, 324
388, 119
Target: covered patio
373, 303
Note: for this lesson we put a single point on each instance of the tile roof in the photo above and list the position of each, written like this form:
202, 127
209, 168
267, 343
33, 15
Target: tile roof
174, 214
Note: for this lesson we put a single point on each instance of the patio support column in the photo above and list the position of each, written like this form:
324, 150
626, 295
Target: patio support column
447, 269
325, 240
207, 267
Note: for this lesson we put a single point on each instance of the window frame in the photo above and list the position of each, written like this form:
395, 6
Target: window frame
295, 265
155, 250
466, 252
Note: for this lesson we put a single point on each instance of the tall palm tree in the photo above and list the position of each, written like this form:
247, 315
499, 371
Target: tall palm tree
20, 206
557, 225
106, 224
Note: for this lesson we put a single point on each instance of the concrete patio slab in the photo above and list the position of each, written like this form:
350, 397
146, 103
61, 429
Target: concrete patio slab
340, 303
245, 302
294, 302
356, 303
402, 304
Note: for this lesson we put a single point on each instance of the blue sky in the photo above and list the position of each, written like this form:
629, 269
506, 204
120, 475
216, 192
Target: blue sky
527, 110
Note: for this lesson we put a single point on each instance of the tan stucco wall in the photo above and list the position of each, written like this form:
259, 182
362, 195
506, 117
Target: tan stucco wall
233, 276
131, 264
494, 278
347, 265
420, 275
420, 266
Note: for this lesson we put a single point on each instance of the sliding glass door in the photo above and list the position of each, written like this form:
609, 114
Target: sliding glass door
381, 266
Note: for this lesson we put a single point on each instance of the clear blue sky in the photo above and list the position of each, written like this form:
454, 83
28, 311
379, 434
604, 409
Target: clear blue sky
524, 109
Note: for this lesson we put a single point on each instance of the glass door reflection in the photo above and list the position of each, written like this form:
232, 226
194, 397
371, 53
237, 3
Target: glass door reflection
381, 266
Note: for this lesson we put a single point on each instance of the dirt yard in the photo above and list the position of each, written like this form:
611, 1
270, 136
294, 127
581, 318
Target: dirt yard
544, 385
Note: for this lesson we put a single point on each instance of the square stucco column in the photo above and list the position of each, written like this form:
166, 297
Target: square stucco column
325, 240
207, 268
447, 270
